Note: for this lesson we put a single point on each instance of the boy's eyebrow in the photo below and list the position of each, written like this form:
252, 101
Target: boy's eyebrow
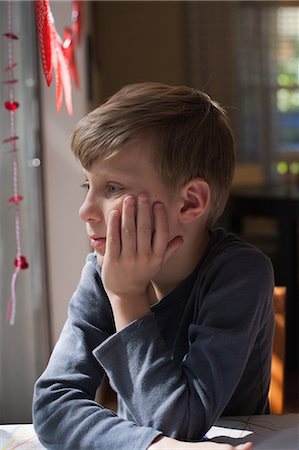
124, 173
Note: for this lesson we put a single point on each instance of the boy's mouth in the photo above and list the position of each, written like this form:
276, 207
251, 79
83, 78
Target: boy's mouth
97, 242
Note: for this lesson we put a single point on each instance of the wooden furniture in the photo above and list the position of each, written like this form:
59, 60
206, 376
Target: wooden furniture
277, 391
266, 432
106, 396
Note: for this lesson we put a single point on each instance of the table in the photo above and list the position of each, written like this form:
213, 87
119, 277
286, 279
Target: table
269, 432
282, 204
21, 437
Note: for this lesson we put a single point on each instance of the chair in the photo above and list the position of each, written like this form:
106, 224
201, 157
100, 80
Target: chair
105, 395
277, 391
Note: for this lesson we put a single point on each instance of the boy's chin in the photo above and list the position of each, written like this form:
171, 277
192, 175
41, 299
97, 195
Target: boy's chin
100, 257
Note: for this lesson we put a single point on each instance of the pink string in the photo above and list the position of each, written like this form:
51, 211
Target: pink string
12, 302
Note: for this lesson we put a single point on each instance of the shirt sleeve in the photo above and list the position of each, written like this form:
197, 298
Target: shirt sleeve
183, 400
65, 414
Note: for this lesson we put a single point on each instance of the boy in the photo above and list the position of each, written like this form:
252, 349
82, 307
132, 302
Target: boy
177, 313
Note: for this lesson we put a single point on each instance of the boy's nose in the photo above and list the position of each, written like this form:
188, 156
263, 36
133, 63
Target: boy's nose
90, 211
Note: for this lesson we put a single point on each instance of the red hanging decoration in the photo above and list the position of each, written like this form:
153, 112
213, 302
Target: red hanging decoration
12, 106
77, 20
42, 11
10, 81
69, 53
10, 67
58, 54
21, 262
10, 139
10, 36
15, 199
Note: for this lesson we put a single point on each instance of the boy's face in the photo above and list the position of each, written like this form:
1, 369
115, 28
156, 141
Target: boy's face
109, 182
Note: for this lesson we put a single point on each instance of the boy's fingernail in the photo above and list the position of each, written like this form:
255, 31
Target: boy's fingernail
158, 205
143, 197
130, 200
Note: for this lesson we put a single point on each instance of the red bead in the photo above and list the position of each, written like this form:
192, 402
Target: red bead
14, 81
15, 199
10, 139
10, 68
11, 106
21, 262
10, 36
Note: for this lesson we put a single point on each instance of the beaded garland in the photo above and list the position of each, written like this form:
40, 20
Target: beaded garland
12, 106
57, 55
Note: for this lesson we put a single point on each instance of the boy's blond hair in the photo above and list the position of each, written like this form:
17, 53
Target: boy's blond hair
190, 133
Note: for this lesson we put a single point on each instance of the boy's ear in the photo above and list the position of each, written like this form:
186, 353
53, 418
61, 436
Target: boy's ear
195, 199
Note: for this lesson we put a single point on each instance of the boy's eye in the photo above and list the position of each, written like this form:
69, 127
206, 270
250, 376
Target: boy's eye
85, 185
113, 188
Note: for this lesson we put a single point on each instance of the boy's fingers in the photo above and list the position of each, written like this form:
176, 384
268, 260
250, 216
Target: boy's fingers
113, 243
128, 227
172, 246
247, 446
144, 225
160, 237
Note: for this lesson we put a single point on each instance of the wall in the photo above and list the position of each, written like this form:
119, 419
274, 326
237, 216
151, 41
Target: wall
137, 41
66, 240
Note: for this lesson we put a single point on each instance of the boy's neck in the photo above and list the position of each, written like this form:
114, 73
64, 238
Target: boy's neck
179, 267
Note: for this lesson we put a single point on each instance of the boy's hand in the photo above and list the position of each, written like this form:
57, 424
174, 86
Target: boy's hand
137, 245
165, 443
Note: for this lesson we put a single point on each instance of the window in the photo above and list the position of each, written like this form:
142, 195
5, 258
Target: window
24, 347
268, 65
287, 93
246, 55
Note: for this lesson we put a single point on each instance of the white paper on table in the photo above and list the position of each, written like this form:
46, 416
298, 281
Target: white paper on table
21, 437
267, 432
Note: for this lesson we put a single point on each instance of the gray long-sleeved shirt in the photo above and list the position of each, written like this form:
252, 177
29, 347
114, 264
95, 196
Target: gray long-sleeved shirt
204, 351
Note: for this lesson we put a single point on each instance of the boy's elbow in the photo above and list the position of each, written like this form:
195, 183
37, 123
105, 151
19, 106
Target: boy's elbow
42, 415
38, 414
37, 407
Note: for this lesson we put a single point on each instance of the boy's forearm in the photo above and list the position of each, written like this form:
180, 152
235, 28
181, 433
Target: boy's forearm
166, 443
126, 310
159, 443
